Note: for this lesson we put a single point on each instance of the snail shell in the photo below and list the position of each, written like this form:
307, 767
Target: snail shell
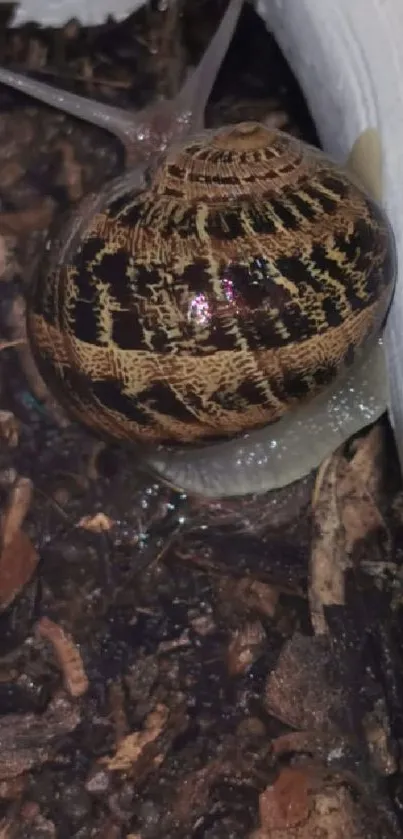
239, 281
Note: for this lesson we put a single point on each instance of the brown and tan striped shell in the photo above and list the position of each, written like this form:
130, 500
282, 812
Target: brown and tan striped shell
243, 276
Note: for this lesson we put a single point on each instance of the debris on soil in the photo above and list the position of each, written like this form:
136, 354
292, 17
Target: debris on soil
289, 810
304, 690
9, 426
131, 749
346, 513
30, 740
172, 668
18, 556
18, 561
286, 803
96, 524
67, 654
245, 648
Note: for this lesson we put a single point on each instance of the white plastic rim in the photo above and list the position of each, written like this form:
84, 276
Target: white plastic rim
348, 58
59, 12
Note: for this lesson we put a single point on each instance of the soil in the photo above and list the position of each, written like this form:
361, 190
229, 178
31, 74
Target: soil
168, 667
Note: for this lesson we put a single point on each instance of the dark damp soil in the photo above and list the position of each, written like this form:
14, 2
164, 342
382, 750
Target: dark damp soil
162, 668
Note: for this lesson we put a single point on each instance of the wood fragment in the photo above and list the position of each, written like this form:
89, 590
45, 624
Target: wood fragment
131, 747
72, 174
67, 655
29, 740
285, 804
118, 714
9, 428
359, 492
100, 523
346, 511
245, 647
18, 563
18, 557
3, 256
6, 345
26, 221
328, 560
18, 504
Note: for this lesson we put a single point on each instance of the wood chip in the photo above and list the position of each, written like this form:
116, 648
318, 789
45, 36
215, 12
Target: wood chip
9, 427
359, 492
3, 256
18, 562
29, 740
379, 738
330, 813
12, 788
67, 655
100, 523
345, 512
304, 689
328, 560
286, 803
245, 647
26, 221
251, 595
18, 504
132, 746
72, 173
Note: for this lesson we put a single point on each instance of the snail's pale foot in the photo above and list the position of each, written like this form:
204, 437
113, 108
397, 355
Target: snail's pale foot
288, 450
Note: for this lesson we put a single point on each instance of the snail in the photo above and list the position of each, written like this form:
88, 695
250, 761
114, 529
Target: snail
221, 304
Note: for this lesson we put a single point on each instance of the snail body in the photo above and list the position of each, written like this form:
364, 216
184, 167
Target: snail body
213, 293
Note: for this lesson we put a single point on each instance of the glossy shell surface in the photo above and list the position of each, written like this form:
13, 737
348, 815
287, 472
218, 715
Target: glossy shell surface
238, 282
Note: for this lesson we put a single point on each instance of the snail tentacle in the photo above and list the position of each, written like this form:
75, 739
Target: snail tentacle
193, 97
149, 130
115, 120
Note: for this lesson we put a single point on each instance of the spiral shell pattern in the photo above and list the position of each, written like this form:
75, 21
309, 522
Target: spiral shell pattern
240, 280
